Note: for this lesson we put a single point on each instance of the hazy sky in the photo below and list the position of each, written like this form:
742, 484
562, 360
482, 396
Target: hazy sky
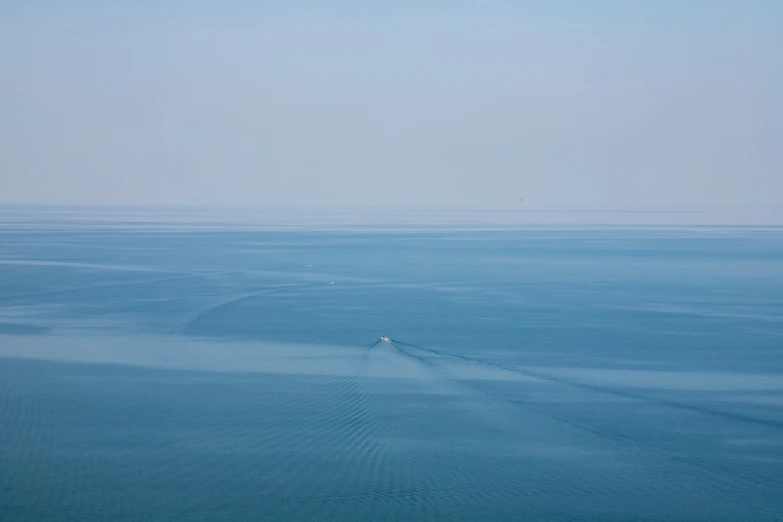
563, 103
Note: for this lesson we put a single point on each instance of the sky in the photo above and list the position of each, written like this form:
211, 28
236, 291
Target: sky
560, 104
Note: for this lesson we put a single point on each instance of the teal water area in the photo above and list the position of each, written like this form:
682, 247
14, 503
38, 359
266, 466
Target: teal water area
215, 373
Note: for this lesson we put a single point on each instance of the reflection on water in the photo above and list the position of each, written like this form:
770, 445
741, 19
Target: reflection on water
531, 375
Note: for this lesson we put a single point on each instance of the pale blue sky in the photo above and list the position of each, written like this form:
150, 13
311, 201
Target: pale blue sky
564, 103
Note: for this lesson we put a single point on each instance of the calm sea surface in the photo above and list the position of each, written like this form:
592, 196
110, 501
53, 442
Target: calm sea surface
198, 373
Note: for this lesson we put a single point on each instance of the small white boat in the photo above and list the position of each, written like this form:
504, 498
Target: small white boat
384, 338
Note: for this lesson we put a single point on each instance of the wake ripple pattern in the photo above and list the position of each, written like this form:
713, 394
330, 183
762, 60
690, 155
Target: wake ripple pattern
714, 475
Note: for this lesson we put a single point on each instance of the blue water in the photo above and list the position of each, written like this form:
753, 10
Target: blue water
155, 372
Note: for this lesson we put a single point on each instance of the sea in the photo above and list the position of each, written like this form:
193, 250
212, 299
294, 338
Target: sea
184, 365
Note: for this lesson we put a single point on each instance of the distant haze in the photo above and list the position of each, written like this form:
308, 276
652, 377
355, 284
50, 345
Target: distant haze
583, 103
